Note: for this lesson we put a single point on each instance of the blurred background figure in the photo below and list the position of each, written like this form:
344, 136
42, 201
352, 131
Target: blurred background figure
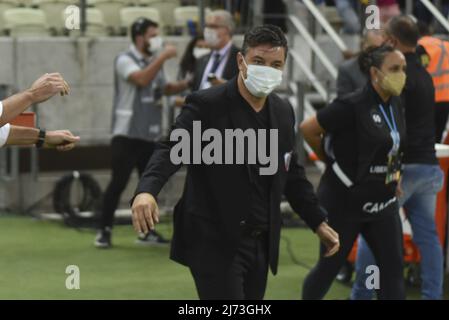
436, 60
137, 116
196, 49
388, 9
221, 64
350, 77
274, 13
347, 11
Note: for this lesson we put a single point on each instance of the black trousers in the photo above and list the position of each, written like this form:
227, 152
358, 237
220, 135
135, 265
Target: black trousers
127, 154
246, 279
384, 236
441, 116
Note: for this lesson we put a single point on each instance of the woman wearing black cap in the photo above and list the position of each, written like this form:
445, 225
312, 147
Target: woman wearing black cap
360, 137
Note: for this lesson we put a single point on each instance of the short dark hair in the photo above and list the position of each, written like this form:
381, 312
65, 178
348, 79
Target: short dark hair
264, 34
405, 29
373, 57
140, 27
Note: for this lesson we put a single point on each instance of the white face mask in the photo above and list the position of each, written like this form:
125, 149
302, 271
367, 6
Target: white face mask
155, 44
211, 37
261, 80
200, 52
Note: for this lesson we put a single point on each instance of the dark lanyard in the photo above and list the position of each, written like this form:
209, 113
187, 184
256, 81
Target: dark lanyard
217, 62
393, 129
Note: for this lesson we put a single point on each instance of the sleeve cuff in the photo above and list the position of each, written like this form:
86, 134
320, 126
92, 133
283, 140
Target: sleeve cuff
4, 134
129, 71
318, 218
151, 189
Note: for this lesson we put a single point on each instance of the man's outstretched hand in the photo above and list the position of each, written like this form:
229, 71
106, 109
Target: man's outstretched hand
145, 213
329, 238
61, 140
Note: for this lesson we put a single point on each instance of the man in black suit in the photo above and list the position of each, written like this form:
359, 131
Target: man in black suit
350, 77
221, 64
227, 224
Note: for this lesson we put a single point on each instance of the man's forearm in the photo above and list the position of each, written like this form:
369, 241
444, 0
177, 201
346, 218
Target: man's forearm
15, 105
149, 73
301, 196
22, 136
176, 87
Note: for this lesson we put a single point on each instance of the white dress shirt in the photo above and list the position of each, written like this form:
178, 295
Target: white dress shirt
4, 131
224, 56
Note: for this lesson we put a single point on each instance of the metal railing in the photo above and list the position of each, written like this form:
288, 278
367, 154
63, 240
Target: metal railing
433, 9
436, 13
325, 24
299, 26
313, 80
300, 99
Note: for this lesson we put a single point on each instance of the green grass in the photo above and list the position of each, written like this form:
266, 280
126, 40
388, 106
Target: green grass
34, 255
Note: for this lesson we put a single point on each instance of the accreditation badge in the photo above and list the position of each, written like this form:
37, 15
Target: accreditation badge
393, 167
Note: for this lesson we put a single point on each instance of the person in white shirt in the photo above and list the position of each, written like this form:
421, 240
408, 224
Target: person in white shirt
139, 84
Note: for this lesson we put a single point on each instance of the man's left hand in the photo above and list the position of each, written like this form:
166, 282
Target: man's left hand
329, 238
217, 81
62, 140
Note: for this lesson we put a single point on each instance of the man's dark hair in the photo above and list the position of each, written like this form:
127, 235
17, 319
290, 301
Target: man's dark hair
373, 57
188, 60
140, 27
265, 34
405, 29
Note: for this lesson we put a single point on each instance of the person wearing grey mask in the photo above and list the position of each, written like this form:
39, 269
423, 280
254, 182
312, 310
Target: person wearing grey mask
220, 64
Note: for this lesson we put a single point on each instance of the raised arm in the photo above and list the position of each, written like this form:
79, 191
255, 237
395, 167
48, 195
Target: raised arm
42, 89
143, 78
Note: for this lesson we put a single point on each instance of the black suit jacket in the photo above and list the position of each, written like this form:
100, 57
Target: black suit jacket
230, 70
350, 78
208, 218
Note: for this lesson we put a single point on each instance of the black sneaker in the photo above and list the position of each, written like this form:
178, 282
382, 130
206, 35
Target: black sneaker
152, 238
103, 239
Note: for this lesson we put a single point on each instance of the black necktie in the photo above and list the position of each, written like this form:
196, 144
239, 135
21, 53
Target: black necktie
216, 63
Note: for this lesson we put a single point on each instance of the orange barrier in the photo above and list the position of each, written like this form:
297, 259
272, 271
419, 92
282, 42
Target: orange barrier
313, 157
26, 119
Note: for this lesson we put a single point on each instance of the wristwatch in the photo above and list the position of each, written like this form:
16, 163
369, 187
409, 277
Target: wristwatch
41, 138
